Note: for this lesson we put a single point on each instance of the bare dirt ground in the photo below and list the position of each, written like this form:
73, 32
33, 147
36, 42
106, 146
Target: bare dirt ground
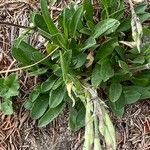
19, 132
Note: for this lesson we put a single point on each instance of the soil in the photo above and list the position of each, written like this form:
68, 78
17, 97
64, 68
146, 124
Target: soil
19, 132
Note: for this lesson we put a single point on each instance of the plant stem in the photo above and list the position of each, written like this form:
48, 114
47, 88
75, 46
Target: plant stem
97, 145
89, 133
16, 25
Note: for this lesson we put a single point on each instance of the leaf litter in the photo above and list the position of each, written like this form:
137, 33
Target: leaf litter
19, 132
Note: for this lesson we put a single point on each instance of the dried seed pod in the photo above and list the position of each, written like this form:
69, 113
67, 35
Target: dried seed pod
106, 128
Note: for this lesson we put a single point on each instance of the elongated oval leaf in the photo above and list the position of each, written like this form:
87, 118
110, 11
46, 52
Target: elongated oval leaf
28, 104
57, 96
77, 117
35, 93
131, 95
50, 115
96, 78
107, 70
105, 25
79, 60
40, 22
67, 15
118, 106
115, 91
25, 54
21, 57
117, 14
106, 49
58, 83
48, 84
57, 37
50, 25
88, 8
90, 42
75, 21
39, 106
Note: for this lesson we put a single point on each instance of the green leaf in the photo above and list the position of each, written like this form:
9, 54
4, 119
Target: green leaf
60, 40
115, 91
90, 25
144, 91
48, 84
56, 96
104, 26
57, 37
75, 21
39, 22
72, 119
139, 60
21, 56
38, 72
37, 56
50, 25
143, 17
140, 9
85, 31
40, 106
121, 102
9, 86
66, 18
142, 79
54, 35
106, 49
96, 77
6, 107
106, 70
88, 8
124, 25
79, 60
57, 70
50, 115
25, 54
50, 47
146, 31
58, 83
3, 88
117, 14
65, 60
118, 112
118, 107
131, 95
105, 4
35, 93
124, 66
77, 117
28, 104
90, 42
